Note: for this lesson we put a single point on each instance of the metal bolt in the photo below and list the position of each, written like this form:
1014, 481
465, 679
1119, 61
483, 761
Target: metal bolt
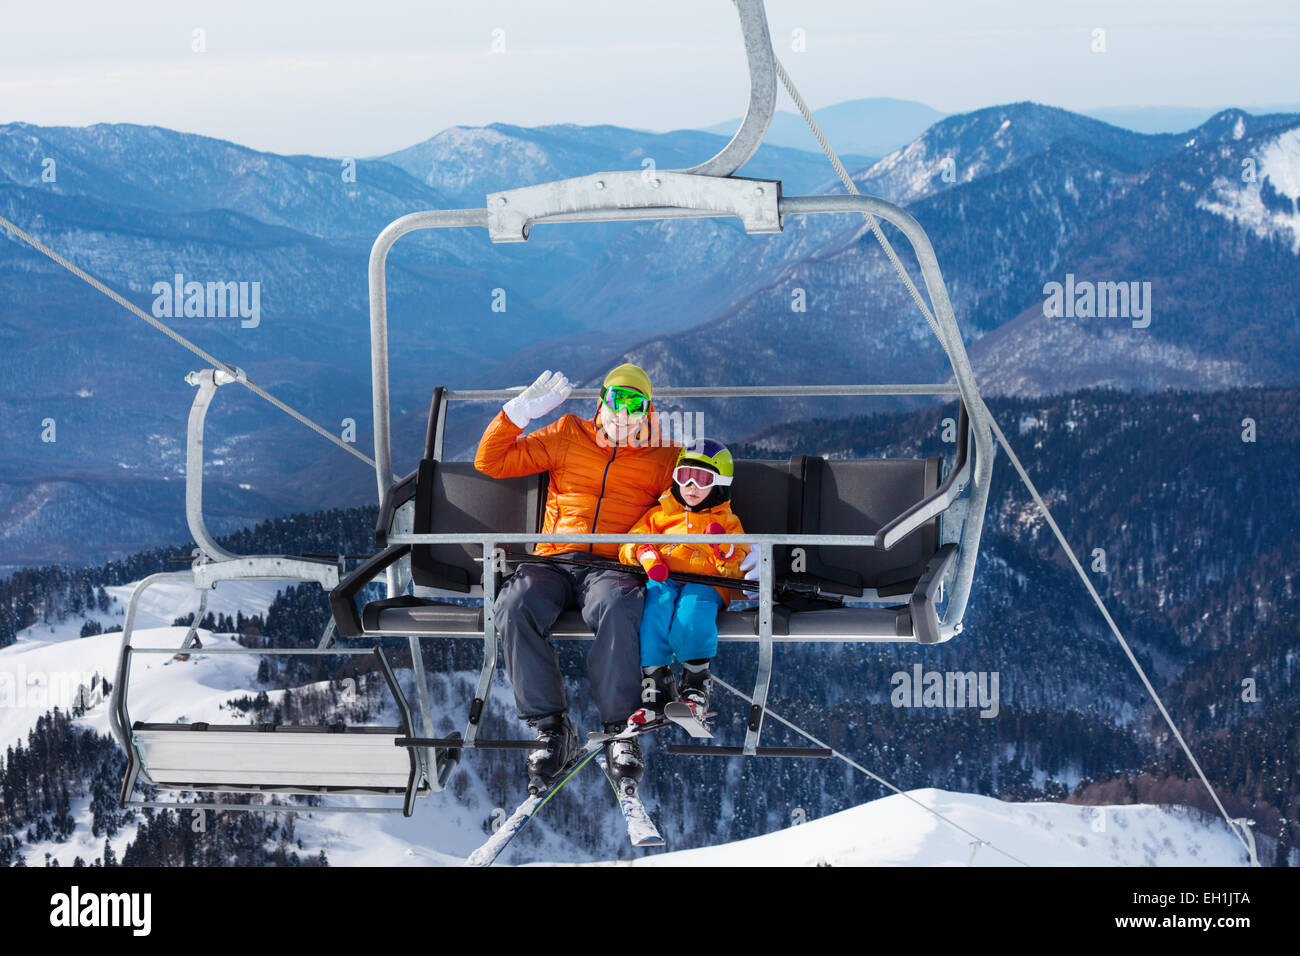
600, 184
501, 200
758, 190
654, 184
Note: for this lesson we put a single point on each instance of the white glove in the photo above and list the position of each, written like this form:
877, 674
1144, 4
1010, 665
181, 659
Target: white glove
750, 565
544, 395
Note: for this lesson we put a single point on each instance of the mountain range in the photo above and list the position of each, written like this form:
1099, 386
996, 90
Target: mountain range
1014, 197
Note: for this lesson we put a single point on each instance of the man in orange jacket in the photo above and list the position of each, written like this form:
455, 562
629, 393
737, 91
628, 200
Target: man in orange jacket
604, 473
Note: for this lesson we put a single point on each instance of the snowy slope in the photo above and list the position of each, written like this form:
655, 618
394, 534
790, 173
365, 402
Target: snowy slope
892, 831
1265, 202
899, 831
48, 663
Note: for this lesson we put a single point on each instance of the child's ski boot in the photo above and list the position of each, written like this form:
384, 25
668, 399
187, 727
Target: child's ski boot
696, 687
658, 687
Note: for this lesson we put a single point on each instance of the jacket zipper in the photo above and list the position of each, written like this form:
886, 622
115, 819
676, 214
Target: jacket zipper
601, 497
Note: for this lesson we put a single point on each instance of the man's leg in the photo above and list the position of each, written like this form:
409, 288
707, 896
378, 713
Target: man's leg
612, 603
526, 609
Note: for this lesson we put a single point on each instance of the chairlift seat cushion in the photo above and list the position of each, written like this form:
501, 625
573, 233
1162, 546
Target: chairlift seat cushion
858, 496
453, 497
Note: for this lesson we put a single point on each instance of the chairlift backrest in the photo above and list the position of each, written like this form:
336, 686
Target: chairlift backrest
453, 496
858, 496
804, 495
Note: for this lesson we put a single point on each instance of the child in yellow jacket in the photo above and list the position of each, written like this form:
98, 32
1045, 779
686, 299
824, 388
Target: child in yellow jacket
682, 619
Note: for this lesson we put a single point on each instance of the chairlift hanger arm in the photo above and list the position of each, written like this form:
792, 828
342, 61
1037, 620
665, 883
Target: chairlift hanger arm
762, 94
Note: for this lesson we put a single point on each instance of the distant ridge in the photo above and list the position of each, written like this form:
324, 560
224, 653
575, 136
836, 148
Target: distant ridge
873, 127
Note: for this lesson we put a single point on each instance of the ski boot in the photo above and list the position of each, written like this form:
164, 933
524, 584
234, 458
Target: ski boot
624, 760
658, 687
697, 685
557, 732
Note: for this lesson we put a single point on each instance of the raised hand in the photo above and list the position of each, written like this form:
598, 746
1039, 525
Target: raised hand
543, 396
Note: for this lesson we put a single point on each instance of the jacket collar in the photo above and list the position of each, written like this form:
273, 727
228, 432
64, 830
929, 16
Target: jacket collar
672, 506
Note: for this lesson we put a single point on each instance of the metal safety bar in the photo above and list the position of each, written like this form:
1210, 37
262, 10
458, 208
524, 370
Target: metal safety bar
711, 391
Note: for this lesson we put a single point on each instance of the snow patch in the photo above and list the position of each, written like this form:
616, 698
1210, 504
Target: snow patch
1278, 163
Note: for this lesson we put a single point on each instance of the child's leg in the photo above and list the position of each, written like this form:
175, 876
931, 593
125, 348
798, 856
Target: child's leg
694, 631
657, 683
656, 621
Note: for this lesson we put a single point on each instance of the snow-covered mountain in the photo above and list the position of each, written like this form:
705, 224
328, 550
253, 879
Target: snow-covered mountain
1014, 197
1091, 202
466, 163
50, 666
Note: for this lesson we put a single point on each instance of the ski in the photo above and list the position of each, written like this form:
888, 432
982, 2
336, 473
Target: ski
486, 854
683, 715
641, 830
489, 851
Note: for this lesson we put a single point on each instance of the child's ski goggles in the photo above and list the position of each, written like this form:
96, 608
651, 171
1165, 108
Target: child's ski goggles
701, 478
620, 399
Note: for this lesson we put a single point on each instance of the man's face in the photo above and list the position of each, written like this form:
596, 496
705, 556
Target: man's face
619, 426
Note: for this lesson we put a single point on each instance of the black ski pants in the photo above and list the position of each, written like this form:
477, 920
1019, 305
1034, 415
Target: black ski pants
611, 603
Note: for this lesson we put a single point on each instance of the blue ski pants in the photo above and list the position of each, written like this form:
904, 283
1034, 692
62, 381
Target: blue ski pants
679, 619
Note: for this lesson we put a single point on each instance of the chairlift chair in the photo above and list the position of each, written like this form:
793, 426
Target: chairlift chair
266, 758
901, 533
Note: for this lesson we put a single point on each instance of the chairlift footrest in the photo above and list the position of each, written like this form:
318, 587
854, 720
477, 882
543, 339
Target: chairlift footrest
459, 743
704, 750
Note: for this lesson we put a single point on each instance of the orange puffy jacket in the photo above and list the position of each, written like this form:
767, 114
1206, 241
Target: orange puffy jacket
595, 487
670, 517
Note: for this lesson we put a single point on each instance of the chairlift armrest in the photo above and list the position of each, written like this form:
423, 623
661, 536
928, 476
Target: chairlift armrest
343, 604
940, 500
397, 495
925, 614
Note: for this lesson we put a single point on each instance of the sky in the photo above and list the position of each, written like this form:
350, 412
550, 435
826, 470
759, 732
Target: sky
356, 79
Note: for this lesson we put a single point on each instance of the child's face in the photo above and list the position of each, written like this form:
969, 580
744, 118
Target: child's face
693, 495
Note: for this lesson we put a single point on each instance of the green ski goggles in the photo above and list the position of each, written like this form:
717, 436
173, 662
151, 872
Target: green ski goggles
620, 399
